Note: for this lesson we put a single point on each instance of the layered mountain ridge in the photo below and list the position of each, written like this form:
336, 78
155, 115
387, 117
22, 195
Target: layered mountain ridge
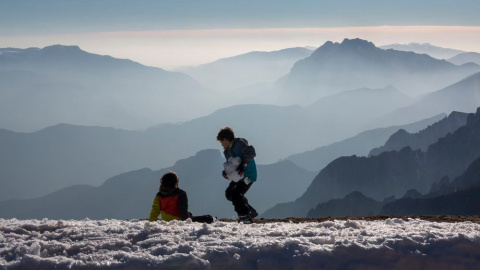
391, 173
355, 63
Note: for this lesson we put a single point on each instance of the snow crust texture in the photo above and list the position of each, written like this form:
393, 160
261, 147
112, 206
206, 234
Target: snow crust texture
138, 244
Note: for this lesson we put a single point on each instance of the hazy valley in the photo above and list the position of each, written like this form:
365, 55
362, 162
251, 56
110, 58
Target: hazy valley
80, 125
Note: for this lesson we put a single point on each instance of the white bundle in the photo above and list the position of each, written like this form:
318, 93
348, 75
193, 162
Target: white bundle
230, 168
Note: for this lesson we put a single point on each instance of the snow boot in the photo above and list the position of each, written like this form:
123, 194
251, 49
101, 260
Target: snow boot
245, 219
253, 213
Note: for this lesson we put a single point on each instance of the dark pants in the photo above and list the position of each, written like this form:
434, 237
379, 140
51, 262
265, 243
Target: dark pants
235, 193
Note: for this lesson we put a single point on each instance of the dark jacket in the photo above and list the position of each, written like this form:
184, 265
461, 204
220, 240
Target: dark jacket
171, 204
240, 148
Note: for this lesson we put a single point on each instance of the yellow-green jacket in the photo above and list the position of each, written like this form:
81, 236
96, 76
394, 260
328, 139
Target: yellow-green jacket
171, 204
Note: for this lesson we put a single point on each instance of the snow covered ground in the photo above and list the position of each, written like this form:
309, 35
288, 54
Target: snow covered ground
138, 244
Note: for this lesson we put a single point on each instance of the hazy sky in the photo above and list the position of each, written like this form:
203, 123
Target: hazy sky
175, 33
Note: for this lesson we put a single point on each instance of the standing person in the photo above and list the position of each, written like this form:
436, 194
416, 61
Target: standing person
241, 169
171, 202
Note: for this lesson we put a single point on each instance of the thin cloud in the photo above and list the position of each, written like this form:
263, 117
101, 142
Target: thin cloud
173, 48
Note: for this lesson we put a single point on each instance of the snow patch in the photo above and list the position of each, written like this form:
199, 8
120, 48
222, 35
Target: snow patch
138, 244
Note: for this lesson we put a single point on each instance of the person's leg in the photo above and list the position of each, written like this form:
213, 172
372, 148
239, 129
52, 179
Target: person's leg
243, 189
238, 199
252, 212
229, 190
251, 175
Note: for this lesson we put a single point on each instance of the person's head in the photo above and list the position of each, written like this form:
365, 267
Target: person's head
225, 137
169, 180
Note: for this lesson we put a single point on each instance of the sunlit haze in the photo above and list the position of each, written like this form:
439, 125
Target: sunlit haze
173, 34
170, 49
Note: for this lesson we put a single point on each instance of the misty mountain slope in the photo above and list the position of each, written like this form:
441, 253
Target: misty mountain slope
274, 130
64, 155
425, 48
471, 177
270, 129
391, 173
73, 64
353, 204
260, 93
31, 100
452, 154
63, 202
424, 138
130, 195
71, 60
277, 182
355, 63
247, 69
462, 96
349, 111
351, 105
359, 145
78, 202
463, 58
88, 89
24, 78
461, 200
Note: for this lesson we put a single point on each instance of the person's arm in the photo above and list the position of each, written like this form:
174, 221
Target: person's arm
226, 154
247, 150
155, 212
183, 205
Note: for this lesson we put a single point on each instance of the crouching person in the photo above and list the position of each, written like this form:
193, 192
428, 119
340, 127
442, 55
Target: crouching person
171, 201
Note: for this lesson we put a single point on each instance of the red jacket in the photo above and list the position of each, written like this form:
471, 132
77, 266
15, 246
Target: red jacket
171, 204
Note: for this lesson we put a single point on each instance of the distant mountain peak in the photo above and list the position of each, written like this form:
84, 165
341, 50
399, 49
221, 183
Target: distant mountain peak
356, 195
357, 42
57, 48
466, 58
63, 50
61, 47
416, 44
207, 153
326, 46
328, 43
412, 193
424, 48
348, 45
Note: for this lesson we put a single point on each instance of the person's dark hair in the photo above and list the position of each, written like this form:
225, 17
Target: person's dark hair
169, 180
226, 133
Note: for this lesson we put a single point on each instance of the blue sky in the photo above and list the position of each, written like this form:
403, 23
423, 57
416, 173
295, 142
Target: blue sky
40, 23
55, 16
